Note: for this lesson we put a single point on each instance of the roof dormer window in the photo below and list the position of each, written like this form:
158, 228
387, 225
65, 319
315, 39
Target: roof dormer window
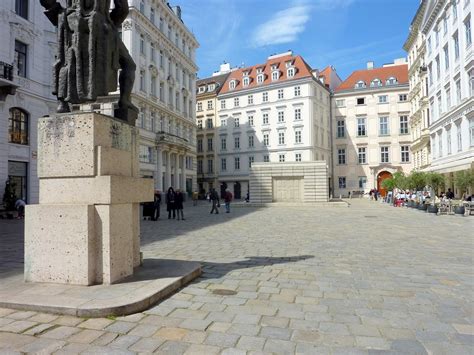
360, 84
275, 75
202, 89
391, 81
288, 63
274, 67
259, 70
232, 84
375, 83
260, 78
291, 72
246, 81
211, 87
245, 73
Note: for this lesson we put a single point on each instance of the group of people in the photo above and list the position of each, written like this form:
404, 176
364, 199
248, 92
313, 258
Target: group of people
374, 194
213, 197
174, 204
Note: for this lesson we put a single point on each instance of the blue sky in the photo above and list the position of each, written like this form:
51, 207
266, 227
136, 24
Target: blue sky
344, 33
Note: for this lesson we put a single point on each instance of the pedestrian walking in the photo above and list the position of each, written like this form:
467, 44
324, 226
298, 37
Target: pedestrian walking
214, 198
156, 205
195, 198
171, 202
179, 204
227, 199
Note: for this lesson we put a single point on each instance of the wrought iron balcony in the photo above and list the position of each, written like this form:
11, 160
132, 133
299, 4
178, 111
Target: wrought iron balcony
7, 86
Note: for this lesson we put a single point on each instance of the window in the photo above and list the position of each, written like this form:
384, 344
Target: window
209, 144
266, 142
297, 91
251, 160
265, 97
251, 141
340, 103
222, 104
152, 15
142, 45
152, 52
223, 122
223, 164
429, 45
438, 67
297, 136
21, 58
153, 86
361, 101
290, 72
405, 153
448, 98
383, 99
210, 87
281, 158
403, 124
471, 133
275, 75
236, 102
265, 118
430, 74
250, 119
383, 126
297, 156
391, 81
458, 91
260, 78
199, 167
445, 26
210, 166
223, 144
250, 99
446, 57
360, 85
375, 83
459, 137
342, 182
142, 80
209, 105
280, 94
341, 156
246, 81
362, 182
402, 97
236, 121
362, 155
21, 8
384, 158
142, 7
237, 163
297, 114
232, 85
281, 116
266, 158
448, 141
361, 127
199, 124
18, 126
199, 106
281, 138
456, 46
467, 30
237, 142
199, 146
145, 154
341, 129
455, 9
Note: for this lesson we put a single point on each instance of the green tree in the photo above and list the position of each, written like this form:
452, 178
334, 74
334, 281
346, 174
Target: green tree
464, 180
435, 181
388, 184
417, 180
9, 196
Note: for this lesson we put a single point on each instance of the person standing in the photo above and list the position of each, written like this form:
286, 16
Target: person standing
156, 205
20, 207
171, 202
179, 203
195, 198
214, 198
227, 199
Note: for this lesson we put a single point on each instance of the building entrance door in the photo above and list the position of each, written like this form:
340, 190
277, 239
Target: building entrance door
18, 176
237, 191
381, 177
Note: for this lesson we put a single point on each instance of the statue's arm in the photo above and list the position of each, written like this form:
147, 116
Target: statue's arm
53, 9
120, 12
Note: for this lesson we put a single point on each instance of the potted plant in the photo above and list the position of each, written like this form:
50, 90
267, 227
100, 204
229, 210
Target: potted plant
434, 181
464, 180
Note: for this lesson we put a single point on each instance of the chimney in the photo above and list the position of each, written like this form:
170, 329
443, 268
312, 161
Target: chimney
370, 65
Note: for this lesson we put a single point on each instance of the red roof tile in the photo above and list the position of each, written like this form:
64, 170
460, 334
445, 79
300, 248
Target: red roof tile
400, 72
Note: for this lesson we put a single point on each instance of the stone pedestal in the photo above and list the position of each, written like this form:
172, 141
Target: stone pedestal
85, 229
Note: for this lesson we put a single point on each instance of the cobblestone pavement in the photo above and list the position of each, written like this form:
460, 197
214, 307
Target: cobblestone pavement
369, 279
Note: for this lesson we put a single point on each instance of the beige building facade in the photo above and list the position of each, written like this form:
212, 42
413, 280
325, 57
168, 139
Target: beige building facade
372, 137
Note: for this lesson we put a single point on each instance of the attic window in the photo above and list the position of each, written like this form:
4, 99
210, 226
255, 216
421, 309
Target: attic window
291, 72
246, 81
260, 78
375, 83
275, 75
391, 81
360, 84
274, 67
245, 73
259, 70
211, 87
288, 63
232, 85
202, 89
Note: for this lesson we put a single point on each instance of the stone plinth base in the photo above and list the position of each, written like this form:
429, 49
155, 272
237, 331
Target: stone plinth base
152, 282
86, 228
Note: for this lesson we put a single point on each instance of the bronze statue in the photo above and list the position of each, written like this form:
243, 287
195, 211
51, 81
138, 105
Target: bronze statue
90, 52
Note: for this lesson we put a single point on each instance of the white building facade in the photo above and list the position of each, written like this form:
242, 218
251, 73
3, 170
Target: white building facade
447, 27
164, 51
273, 112
27, 48
370, 125
415, 46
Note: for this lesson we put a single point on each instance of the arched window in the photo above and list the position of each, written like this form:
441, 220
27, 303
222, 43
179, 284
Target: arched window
260, 78
360, 84
232, 85
246, 81
375, 83
18, 126
291, 72
391, 81
275, 75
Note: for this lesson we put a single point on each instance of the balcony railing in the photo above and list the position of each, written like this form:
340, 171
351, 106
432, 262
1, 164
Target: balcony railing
6, 71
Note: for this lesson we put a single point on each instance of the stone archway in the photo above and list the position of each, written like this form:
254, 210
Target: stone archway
381, 177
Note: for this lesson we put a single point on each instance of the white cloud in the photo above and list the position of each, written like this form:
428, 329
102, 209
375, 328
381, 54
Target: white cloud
328, 5
283, 27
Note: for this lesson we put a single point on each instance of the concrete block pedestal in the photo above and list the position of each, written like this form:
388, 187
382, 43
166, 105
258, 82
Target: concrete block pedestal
85, 229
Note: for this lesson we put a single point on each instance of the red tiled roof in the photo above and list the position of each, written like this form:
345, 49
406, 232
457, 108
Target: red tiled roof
400, 72
302, 70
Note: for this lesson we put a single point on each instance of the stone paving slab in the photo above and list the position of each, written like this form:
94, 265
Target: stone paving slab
152, 282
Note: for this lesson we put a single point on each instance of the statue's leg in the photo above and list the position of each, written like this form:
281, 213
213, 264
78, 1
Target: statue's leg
63, 107
126, 78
